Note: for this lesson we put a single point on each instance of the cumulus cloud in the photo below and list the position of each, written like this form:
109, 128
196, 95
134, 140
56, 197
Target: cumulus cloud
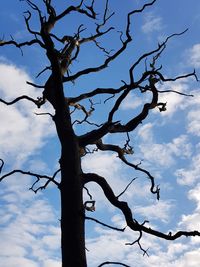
157, 211
26, 219
175, 102
163, 154
22, 132
28, 222
131, 102
193, 122
191, 174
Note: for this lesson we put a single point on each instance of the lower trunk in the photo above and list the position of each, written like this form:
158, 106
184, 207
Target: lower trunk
72, 215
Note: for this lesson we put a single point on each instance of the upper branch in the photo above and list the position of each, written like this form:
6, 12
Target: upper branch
89, 12
157, 50
95, 92
116, 54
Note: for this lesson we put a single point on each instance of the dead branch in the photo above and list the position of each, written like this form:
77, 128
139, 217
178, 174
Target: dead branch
123, 206
19, 45
121, 154
105, 225
137, 241
89, 205
116, 54
113, 262
1, 166
38, 102
38, 176
98, 91
126, 188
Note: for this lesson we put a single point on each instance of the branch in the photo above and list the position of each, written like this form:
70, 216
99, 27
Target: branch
38, 177
38, 102
113, 262
19, 45
106, 225
126, 187
123, 206
51, 179
116, 127
95, 92
158, 50
121, 152
2, 164
115, 55
139, 244
90, 14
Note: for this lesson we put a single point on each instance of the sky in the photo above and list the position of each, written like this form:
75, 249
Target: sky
167, 143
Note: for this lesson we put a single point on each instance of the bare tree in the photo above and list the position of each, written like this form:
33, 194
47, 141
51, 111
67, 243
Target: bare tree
61, 52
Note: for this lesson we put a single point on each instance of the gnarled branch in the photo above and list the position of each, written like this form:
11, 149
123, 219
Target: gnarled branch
123, 206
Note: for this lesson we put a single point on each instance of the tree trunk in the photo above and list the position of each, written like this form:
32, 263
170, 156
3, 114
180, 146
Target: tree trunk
72, 219
72, 210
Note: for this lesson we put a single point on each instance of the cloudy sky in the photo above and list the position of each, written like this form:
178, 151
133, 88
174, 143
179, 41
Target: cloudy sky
167, 143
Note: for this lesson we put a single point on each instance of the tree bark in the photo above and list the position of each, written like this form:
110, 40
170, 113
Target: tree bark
72, 209
72, 219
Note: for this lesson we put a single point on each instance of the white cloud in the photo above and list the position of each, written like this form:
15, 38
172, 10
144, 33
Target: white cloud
52, 263
22, 132
157, 211
17, 261
193, 121
164, 154
193, 56
174, 101
146, 132
131, 102
152, 23
27, 225
191, 174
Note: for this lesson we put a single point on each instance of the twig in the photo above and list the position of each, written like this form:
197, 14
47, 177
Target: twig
106, 225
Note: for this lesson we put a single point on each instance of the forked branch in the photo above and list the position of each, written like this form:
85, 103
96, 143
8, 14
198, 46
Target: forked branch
116, 54
36, 175
126, 211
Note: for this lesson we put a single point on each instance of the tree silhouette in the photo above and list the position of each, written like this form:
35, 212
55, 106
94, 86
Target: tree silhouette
62, 52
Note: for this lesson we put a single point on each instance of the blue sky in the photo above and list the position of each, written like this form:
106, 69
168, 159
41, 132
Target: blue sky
167, 143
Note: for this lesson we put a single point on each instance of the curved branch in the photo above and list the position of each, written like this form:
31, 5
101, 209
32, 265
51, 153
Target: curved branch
159, 50
2, 164
19, 45
123, 206
116, 54
113, 262
38, 102
121, 152
117, 127
78, 9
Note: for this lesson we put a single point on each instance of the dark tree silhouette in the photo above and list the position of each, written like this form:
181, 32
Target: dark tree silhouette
61, 52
